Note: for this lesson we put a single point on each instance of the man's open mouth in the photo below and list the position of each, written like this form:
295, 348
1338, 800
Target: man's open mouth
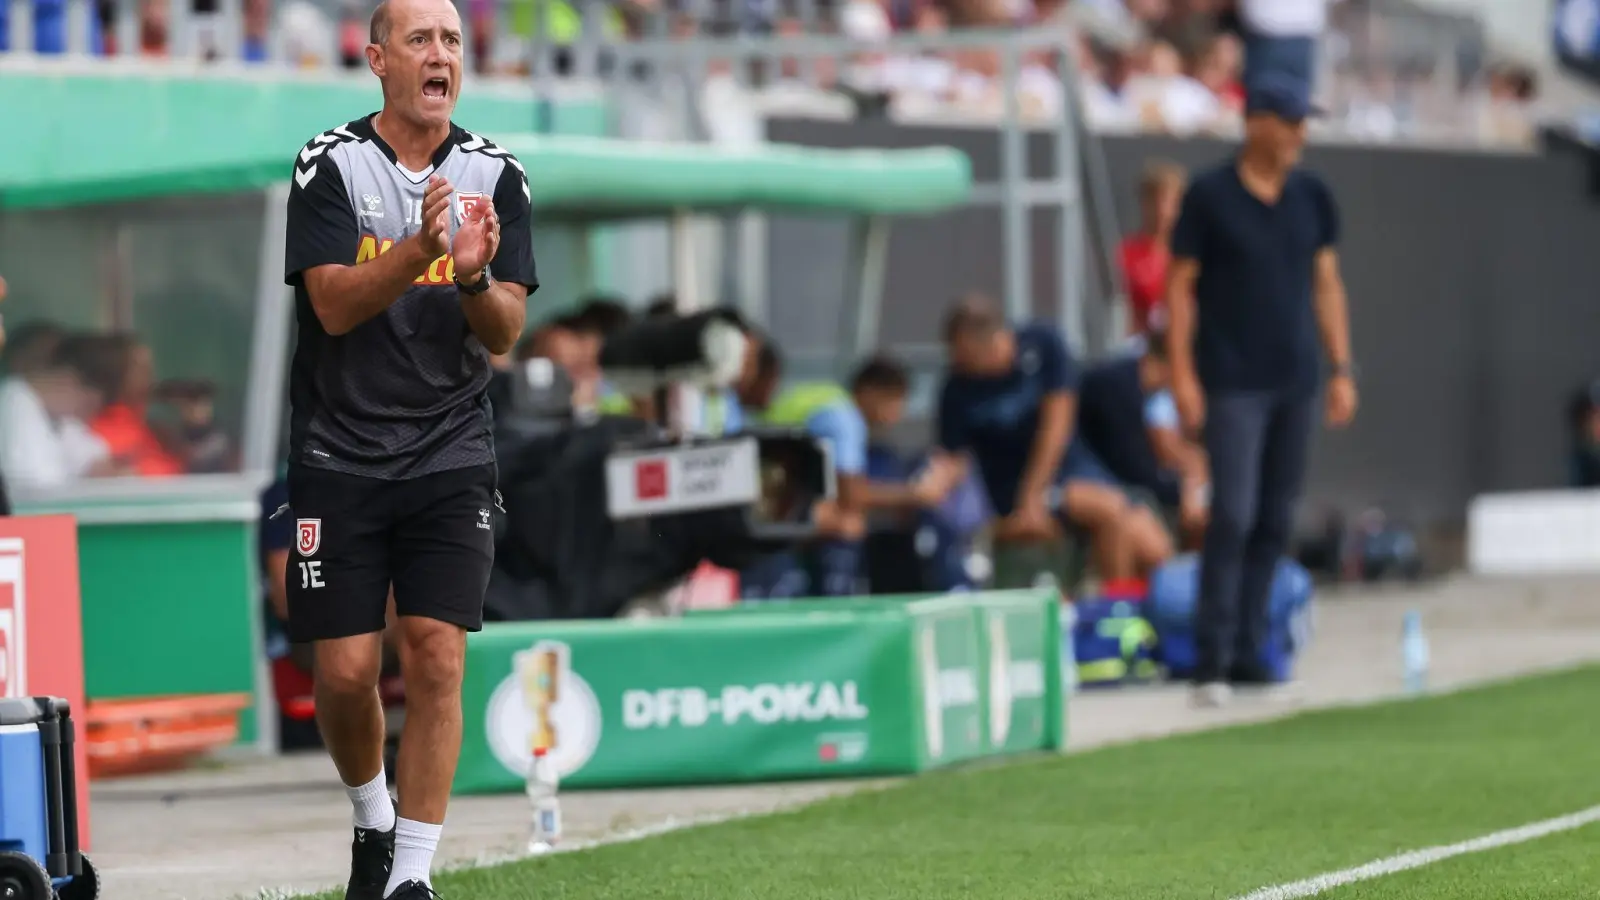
436, 88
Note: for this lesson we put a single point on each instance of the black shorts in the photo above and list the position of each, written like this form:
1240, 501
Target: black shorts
431, 537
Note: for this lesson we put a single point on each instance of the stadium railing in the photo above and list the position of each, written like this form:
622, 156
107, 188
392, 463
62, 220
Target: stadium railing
1424, 70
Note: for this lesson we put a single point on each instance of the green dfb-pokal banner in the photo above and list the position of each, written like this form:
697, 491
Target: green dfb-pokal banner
822, 688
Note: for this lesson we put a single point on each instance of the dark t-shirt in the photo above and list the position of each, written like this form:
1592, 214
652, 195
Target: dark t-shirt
1256, 327
996, 419
402, 394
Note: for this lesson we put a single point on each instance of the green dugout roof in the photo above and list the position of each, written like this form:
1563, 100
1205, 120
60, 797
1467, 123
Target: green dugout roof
571, 177
596, 177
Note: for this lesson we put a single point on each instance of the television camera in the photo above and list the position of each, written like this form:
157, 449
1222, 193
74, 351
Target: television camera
600, 510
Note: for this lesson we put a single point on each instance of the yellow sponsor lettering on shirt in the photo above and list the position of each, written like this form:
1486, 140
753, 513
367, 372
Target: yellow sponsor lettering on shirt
440, 271
370, 249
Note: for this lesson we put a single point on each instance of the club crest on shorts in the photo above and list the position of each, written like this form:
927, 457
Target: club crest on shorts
310, 536
466, 202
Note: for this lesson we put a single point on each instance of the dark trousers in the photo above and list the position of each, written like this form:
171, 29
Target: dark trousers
1257, 443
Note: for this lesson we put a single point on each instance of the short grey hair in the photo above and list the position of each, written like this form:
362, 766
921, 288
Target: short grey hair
379, 31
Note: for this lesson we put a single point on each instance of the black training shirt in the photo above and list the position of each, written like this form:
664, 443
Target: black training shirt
402, 394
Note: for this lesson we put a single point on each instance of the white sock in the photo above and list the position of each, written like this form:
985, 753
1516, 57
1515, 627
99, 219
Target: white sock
414, 843
374, 809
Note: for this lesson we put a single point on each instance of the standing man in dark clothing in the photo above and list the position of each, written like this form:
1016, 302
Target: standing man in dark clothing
410, 253
1255, 280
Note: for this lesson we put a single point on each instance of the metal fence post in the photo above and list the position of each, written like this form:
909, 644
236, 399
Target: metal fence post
1014, 212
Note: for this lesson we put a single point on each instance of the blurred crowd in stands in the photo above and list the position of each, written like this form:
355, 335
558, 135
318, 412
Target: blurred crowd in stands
79, 405
1173, 66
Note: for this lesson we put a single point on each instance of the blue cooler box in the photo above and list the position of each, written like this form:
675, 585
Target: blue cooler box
39, 856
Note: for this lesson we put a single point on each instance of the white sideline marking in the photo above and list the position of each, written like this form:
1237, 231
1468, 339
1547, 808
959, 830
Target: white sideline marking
1416, 859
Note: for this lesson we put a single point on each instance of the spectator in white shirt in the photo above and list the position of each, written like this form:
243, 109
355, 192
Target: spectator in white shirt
44, 442
1104, 74
1170, 100
925, 77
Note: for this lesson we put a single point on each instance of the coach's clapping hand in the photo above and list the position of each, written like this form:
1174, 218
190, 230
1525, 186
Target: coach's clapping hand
435, 234
477, 241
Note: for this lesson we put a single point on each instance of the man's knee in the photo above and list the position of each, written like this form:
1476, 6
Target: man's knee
1152, 542
1095, 506
347, 666
433, 656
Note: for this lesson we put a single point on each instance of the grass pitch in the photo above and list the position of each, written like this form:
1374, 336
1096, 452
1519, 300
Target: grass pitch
1212, 815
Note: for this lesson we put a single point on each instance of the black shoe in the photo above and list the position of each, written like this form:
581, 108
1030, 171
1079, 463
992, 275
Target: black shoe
1252, 675
414, 890
371, 856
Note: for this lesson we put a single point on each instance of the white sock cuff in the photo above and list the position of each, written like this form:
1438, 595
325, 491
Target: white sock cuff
414, 844
378, 785
373, 807
424, 833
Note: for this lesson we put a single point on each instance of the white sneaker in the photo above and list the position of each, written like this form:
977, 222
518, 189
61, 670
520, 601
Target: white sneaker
1276, 692
1212, 694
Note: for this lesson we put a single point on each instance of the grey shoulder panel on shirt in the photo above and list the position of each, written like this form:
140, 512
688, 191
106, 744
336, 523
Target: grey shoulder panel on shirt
472, 143
316, 153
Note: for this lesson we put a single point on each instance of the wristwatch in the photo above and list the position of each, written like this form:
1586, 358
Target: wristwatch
1345, 369
475, 288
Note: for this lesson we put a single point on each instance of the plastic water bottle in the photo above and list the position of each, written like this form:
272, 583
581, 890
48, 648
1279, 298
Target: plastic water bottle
1414, 653
1069, 649
543, 802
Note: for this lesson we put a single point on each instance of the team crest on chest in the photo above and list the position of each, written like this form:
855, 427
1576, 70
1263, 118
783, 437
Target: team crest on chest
310, 536
466, 202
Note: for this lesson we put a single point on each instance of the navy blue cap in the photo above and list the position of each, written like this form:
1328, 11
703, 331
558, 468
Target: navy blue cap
1287, 98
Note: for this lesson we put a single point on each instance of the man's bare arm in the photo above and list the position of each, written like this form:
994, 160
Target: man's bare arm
345, 296
1049, 444
1332, 305
497, 315
941, 476
890, 496
1169, 447
853, 492
1177, 454
1181, 315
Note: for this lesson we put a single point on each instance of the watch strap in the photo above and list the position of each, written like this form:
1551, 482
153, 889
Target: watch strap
476, 287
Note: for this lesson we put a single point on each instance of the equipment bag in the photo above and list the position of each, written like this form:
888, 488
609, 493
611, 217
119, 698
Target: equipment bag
1112, 641
1174, 594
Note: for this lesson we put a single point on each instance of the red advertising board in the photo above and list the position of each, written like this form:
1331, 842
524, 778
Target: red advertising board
650, 479
41, 626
